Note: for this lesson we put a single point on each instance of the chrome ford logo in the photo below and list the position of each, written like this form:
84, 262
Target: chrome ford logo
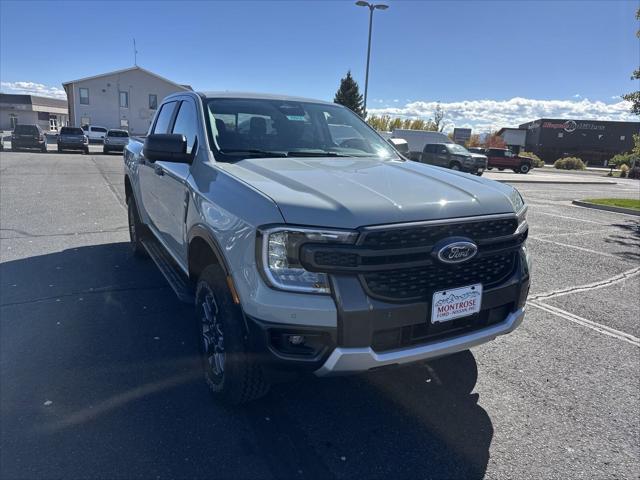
457, 252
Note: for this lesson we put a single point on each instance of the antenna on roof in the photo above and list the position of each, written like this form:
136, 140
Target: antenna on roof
135, 53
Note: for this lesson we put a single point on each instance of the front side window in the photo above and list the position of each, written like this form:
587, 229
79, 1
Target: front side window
84, 96
153, 101
164, 118
186, 123
240, 128
124, 99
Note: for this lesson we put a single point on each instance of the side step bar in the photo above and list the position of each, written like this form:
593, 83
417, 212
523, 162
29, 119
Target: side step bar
178, 281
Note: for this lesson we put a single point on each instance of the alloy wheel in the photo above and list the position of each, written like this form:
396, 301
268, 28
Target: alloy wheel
212, 337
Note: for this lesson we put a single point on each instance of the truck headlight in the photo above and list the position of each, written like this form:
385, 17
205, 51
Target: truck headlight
279, 256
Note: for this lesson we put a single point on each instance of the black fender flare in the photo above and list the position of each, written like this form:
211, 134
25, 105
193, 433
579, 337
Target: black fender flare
203, 232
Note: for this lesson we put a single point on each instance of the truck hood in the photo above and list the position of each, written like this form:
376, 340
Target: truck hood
353, 192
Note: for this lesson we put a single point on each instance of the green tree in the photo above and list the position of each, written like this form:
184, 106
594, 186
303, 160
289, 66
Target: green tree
395, 123
634, 97
349, 95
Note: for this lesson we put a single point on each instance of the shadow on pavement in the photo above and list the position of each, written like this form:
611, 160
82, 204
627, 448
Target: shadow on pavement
99, 379
628, 238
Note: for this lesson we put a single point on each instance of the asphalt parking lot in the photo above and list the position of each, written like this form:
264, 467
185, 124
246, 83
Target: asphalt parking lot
99, 379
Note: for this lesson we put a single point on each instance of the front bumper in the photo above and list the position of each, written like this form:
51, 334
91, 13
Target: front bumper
372, 333
352, 360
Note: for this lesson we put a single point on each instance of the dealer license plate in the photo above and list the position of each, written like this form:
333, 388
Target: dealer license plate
455, 303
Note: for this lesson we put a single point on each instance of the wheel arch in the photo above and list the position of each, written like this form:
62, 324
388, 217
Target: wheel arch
128, 188
203, 250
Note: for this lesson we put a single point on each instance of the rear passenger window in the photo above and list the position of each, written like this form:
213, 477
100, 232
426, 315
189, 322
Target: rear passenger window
186, 123
164, 118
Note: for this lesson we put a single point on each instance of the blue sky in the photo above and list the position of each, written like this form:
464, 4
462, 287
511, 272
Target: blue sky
475, 57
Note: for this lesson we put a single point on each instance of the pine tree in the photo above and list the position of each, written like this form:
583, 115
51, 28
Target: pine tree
349, 95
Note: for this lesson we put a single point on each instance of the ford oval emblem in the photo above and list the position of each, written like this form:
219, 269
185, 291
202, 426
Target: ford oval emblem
457, 252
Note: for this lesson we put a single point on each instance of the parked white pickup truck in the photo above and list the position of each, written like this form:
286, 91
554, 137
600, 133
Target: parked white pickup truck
307, 242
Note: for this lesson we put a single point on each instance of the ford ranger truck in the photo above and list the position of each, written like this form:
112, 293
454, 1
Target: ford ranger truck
305, 251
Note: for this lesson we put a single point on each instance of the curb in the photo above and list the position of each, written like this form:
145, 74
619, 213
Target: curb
560, 182
606, 208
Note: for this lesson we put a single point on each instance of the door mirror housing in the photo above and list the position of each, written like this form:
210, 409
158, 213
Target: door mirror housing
167, 147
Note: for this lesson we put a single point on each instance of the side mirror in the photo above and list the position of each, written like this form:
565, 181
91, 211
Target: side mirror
168, 147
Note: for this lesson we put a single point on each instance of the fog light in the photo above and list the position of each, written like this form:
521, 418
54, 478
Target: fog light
296, 339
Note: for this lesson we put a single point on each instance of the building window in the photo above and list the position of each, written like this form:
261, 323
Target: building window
124, 124
85, 121
153, 101
124, 99
622, 138
560, 134
84, 96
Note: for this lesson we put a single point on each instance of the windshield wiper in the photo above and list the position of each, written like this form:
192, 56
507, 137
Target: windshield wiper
306, 153
251, 151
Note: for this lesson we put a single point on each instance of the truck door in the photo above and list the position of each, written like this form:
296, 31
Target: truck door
147, 176
497, 158
442, 156
171, 183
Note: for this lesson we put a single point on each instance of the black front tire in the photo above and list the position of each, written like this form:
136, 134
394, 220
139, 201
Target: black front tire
233, 376
455, 166
524, 168
136, 230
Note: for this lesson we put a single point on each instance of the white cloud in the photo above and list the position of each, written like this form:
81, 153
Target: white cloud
577, 95
33, 88
487, 115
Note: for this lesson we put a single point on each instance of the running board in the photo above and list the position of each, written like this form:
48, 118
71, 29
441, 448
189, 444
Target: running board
178, 281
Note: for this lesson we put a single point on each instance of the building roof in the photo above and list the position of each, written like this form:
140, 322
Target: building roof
504, 129
32, 100
183, 87
264, 96
579, 120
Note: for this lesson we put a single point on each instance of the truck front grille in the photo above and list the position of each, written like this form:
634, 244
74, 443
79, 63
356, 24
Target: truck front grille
417, 236
418, 283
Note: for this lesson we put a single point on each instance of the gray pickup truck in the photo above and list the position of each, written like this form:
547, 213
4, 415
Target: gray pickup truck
306, 242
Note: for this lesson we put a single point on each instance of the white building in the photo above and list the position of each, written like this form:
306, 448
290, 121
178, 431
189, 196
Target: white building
49, 113
125, 99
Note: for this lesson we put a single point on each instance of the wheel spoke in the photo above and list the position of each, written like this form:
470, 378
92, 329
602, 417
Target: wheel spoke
212, 335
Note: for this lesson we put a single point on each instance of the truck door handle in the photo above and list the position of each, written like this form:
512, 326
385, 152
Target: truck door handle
158, 170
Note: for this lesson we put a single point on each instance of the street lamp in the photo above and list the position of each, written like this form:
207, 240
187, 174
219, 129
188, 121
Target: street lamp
372, 7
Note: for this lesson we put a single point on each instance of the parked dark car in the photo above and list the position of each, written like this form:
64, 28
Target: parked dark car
72, 138
28, 136
502, 158
453, 156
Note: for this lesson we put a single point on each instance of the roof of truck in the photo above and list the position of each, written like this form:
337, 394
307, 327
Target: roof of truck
265, 96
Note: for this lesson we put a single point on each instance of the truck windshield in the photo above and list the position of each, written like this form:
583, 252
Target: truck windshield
242, 128
459, 149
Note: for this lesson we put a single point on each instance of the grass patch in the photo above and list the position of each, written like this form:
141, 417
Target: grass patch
616, 202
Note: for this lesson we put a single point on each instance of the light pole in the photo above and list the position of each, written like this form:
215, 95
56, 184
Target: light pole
371, 7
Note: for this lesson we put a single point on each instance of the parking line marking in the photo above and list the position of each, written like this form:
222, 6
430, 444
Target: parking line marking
572, 218
575, 247
582, 232
621, 277
612, 332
